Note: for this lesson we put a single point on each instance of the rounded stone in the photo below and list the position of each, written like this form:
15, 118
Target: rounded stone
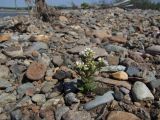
120, 75
141, 92
36, 71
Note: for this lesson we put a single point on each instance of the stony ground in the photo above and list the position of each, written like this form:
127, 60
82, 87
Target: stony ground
37, 76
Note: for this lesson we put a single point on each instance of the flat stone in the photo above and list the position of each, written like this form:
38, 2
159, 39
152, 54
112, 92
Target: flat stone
76, 115
6, 98
141, 92
22, 89
60, 112
36, 46
101, 34
5, 37
39, 45
14, 51
113, 68
120, 115
114, 48
39, 98
99, 52
155, 49
120, 75
36, 71
99, 100
40, 38
115, 82
118, 39
4, 84
4, 71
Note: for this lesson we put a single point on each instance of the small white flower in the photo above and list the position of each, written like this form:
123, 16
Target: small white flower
86, 67
100, 59
82, 53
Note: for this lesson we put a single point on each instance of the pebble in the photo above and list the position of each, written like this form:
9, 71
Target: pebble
70, 98
99, 100
155, 49
4, 71
47, 86
22, 89
76, 115
132, 71
120, 115
36, 71
39, 98
4, 84
57, 60
16, 115
61, 75
6, 98
60, 112
118, 95
120, 75
141, 92
124, 90
3, 58
14, 51
50, 103
25, 101
45, 59
154, 84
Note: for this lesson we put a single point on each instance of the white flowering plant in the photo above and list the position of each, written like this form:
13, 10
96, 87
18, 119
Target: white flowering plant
86, 69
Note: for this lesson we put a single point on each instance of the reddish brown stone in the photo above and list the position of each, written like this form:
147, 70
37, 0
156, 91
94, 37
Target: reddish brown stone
36, 71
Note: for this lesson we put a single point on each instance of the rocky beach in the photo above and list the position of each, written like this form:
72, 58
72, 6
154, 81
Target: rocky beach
38, 80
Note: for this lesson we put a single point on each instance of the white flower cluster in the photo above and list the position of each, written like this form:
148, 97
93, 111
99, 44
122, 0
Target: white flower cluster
87, 52
78, 63
81, 65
